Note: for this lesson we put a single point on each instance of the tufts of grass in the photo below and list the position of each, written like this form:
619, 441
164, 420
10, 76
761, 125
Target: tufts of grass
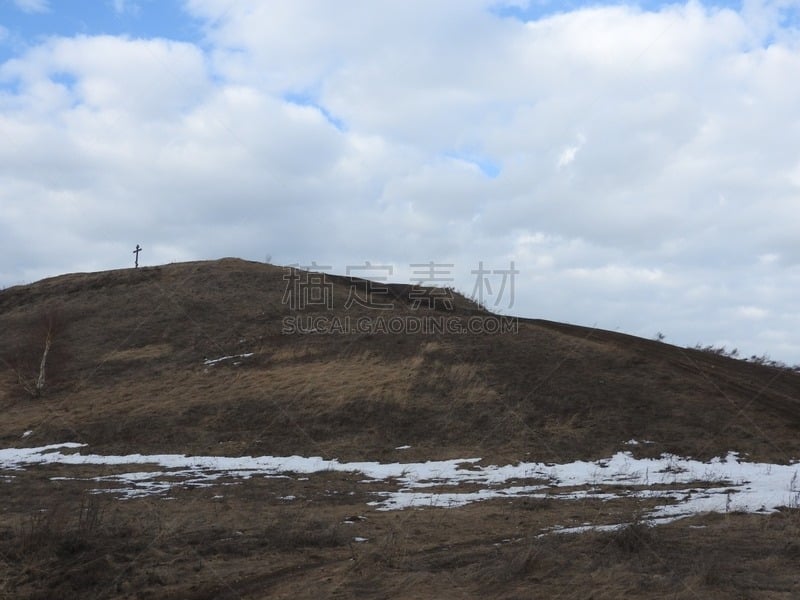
634, 538
291, 532
61, 529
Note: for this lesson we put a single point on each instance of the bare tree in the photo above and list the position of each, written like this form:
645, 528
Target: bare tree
34, 348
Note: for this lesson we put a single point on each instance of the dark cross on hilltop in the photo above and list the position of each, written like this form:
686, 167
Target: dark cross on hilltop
136, 252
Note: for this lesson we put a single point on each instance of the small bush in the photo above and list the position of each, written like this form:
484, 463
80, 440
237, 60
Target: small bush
763, 360
634, 538
61, 530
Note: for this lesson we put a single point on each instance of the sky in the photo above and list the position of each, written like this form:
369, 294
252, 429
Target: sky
638, 163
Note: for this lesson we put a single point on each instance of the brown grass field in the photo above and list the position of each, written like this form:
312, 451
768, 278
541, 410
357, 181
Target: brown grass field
126, 373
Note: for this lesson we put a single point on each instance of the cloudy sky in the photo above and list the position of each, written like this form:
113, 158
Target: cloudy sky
639, 162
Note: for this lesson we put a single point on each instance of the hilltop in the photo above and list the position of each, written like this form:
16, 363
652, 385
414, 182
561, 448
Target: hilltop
217, 359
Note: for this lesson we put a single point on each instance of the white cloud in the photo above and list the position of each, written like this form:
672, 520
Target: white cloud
568, 154
769, 258
751, 312
617, 275
125, 7
159, 77
341, 133
33, 6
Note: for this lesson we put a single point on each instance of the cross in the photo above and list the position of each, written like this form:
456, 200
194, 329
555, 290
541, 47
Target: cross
136, 252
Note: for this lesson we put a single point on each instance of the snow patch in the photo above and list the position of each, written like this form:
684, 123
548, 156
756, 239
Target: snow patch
634, 442
215, 361
683, 487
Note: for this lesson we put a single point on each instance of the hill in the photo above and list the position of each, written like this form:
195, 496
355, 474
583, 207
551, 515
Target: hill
215, 359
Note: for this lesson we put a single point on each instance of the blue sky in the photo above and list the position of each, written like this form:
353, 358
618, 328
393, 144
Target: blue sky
26, 21
29, 21
535, 9
638, 162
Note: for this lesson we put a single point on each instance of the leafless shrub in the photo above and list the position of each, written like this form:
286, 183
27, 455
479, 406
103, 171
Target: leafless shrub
66, 530
32, 354
717, 350
763, 360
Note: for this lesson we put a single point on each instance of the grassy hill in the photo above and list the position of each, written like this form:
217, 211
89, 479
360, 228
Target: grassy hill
195, 359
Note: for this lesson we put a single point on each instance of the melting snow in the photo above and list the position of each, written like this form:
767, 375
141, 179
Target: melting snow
633, 442
214, 361
720, 485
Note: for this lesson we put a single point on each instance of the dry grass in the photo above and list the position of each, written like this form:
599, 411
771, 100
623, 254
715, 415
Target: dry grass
132, 378
144, 353
242, 542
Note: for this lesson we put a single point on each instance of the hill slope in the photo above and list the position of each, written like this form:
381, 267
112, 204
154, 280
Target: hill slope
208, 363
127, 371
